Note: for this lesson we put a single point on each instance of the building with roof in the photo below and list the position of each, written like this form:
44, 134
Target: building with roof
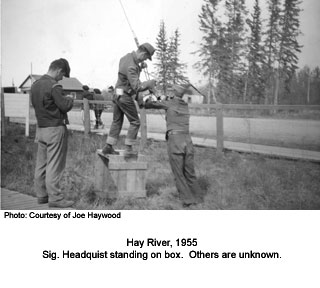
193, 99
70, 85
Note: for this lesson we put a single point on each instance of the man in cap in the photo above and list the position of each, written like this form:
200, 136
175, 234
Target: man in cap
110, 90
98, 108
51, 107
179, 144
126, 91
87, 94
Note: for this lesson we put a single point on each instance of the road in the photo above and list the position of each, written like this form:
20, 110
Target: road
299, 132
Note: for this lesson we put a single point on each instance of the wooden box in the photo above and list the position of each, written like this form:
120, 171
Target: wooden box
116, 176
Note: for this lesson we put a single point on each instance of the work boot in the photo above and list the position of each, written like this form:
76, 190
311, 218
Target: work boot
43, 200
108, 149
128, 152
63, 203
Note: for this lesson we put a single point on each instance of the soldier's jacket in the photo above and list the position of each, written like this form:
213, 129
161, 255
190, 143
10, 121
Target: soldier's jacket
128, 74
99, 97
88, 95
177, 118
49, 101
177, 113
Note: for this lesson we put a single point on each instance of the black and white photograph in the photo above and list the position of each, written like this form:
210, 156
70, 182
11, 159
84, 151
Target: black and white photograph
198, 110
244, 75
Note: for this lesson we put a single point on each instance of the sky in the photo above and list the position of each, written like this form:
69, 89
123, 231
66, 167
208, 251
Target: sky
94, 34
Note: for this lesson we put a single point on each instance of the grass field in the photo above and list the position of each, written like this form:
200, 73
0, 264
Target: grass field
233, 181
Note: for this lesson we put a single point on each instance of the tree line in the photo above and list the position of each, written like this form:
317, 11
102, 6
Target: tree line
246, 59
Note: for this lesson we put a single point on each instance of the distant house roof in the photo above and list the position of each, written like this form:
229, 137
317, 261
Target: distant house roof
194, 98
72, 83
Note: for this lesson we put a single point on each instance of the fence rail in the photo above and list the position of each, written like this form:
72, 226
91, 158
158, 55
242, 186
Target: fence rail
219, 109
228, 106
256, 107
219, 116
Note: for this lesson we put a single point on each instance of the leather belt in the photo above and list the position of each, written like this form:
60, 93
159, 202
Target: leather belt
175, 132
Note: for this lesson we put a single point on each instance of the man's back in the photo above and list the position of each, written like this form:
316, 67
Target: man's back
98, 97
178, 115
129, 72
88, 95
48, 101
41, 92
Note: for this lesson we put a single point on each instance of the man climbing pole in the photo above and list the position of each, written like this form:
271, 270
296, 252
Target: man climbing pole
126, 91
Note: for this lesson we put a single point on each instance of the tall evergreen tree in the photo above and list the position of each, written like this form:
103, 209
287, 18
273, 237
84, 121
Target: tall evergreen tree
289, 46
256, 58
176, 69
271, 46
235, 47
170, 70
223, 48
162, 57
210, 51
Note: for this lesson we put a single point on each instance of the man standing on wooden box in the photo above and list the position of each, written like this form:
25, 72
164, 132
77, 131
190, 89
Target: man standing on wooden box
126, 90
51, 107
179, 144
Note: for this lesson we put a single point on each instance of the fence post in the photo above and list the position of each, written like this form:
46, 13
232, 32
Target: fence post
143, 131
86, 116
3, 127
219, 123
28, 117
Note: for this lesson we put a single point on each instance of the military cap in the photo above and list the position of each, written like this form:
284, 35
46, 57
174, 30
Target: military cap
181, 89
149, 48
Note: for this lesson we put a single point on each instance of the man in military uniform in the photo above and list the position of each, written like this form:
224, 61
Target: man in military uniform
98, 108
87, 94
179, 145
51, 107
126, 90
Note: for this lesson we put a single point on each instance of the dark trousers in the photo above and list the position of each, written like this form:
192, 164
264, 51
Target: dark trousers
97, 113
124, 105
181, 158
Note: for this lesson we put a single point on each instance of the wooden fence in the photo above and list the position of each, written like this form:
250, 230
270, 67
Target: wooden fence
219, 110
